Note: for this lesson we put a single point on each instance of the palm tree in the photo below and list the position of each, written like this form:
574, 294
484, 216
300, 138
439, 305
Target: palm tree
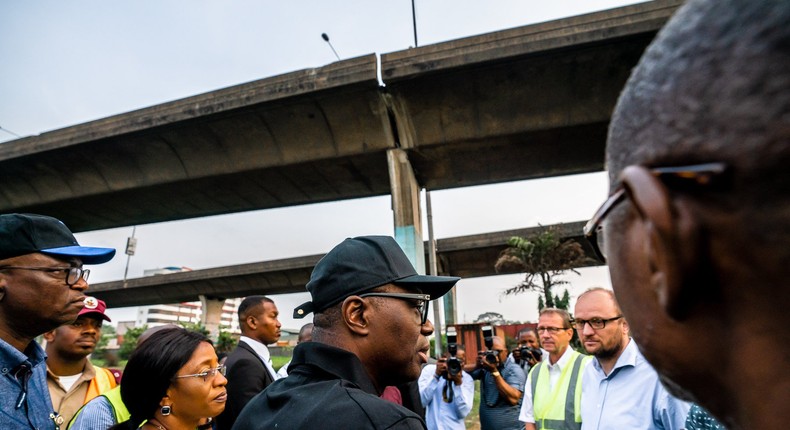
542, 257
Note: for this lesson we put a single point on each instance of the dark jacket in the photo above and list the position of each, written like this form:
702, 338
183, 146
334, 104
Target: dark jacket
326, 387
247, 376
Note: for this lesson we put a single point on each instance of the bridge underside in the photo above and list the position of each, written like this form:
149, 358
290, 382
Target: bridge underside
523, 103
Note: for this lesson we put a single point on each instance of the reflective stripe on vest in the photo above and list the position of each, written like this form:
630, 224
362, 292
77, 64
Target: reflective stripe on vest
570, 410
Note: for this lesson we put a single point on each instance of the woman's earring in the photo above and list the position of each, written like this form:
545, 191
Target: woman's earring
166, 410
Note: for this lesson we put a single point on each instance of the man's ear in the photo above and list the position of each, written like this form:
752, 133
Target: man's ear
3, 284
356, 313
251, 322
49, 336
672, 241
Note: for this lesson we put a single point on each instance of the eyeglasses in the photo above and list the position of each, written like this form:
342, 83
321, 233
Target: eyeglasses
696, 175
595, 323
73, 274
421, 304
208, 374
551, 330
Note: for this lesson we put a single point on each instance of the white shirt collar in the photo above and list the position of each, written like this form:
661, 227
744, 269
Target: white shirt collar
263, 353
566, 356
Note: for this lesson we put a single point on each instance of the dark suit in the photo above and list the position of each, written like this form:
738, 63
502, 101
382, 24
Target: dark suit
247, 376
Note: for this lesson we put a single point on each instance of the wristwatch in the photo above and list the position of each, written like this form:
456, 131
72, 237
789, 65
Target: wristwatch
495, 374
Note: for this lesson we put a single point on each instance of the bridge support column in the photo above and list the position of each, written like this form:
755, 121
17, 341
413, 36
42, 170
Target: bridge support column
212, 314
406, 207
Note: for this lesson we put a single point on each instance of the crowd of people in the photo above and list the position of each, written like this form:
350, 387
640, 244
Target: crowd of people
694, 232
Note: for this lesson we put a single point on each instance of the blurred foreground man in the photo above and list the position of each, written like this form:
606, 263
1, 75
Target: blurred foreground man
41, 288
697, 227
71, 378
619, 389
371, 323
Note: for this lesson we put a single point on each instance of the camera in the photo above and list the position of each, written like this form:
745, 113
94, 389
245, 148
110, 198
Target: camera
527, 353
454, 365
490, 356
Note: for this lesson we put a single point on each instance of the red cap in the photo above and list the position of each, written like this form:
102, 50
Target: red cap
94, 306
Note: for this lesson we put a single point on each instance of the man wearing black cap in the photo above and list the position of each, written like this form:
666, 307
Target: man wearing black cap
41, 287
370, 331
71, 377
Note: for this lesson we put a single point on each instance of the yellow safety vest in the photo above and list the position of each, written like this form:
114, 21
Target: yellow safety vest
119, 409
556, 409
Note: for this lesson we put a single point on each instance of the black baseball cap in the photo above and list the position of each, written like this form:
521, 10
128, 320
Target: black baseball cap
22, 234
361, 264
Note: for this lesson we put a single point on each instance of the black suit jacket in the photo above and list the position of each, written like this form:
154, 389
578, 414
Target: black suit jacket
247, 376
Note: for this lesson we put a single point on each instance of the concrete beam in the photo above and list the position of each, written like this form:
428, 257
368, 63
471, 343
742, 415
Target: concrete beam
466, 256
523, 103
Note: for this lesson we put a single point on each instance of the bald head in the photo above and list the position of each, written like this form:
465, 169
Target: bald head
712, 86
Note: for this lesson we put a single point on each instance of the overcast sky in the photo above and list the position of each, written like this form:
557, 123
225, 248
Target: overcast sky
68, 62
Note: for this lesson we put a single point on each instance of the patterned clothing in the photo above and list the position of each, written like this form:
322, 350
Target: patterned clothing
700, 419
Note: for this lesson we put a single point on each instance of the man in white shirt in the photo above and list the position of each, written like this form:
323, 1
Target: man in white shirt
447, 398
553, 389
249, 365
620, 389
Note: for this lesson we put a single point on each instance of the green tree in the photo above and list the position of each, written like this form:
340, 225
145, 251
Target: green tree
198, 327
491, 318
130, 341
543, 257
225, 342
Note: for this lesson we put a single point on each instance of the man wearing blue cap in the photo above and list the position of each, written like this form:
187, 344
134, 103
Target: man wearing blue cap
370, 329
41, 287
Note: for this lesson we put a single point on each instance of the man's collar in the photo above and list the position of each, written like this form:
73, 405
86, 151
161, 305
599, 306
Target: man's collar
256, 346
338, 362
628, 357
564, 358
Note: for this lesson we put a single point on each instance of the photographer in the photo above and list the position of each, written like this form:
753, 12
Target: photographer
447, 394
500, 389
528, 353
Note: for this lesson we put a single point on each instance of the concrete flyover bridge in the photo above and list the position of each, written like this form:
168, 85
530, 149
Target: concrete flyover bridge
466, 256
527, 102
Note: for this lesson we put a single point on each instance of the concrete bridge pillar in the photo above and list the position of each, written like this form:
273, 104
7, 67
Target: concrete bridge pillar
406, 207
212, 314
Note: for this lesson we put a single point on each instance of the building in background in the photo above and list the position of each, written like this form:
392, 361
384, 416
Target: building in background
186, 312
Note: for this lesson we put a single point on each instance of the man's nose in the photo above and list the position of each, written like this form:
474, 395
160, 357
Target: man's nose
427, 328
80, 285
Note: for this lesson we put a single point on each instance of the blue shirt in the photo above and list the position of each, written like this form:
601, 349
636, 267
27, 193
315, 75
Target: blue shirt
441, 411
97, 414
495, 411
30, 408
630, 397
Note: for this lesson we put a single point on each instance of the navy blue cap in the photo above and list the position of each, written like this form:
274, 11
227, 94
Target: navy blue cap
361, 264
22, 234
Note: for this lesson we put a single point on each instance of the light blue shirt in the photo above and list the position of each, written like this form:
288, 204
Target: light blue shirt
33, 408
630, 397
439, 414
97, 414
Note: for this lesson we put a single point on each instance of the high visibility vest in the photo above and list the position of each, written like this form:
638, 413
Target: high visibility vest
103, 381
118, 408
559, 409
